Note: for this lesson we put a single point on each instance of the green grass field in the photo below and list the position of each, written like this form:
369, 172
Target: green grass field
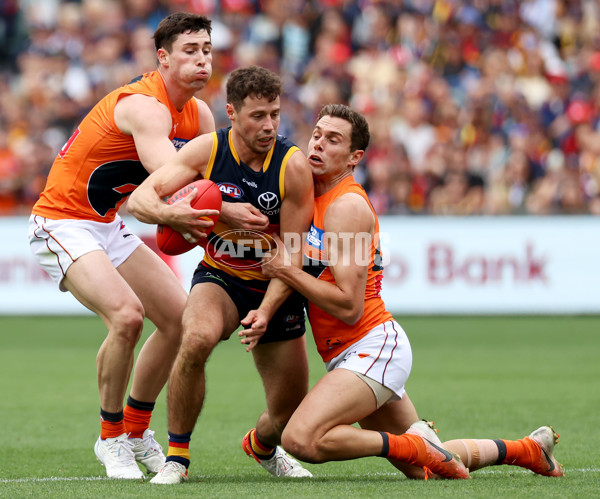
476, 377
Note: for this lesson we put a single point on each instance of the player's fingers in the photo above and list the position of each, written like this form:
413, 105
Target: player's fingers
207, 213
251, 344
249, 319
203, 223
193, 193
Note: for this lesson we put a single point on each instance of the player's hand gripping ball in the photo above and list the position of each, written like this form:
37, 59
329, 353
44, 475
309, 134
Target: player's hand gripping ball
170, 241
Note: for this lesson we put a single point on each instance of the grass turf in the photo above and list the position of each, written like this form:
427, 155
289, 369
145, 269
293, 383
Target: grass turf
476, 377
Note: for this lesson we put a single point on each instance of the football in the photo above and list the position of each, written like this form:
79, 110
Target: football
171, 242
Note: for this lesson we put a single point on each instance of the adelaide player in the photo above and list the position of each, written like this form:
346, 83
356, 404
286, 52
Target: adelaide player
366, 352
77, 236
251, 164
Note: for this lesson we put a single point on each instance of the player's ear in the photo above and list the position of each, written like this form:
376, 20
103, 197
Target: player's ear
355, 157
163, 57
230, 111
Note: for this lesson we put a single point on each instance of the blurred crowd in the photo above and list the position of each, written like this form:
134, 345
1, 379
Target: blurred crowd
476, 107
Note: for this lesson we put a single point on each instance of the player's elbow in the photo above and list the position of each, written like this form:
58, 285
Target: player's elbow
135, 205
352, 314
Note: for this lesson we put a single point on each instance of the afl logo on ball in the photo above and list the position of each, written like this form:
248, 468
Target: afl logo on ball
268, 200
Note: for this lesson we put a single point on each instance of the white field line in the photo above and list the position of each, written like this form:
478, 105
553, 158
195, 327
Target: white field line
355, 475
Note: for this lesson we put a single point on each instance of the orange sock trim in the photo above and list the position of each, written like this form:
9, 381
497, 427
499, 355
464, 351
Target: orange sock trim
521, 452
110, 429
136, 421
407, 448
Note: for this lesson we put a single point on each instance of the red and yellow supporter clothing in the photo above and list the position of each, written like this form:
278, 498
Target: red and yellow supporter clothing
332, 335
99, 166
238, 252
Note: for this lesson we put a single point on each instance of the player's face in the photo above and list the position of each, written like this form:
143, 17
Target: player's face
329, 147
190, 60
257, 122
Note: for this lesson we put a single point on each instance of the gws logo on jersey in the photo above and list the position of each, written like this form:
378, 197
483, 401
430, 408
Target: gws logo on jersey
179, 143
231, 190
268, 201
315, 238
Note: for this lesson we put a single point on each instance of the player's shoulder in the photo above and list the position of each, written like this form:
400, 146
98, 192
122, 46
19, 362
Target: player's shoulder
349, 209
203, 107
142, 110
297, 169
205, 116
349, 200
285, 141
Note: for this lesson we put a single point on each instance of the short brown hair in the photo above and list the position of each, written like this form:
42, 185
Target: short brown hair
175, 24
252, 80
360, 136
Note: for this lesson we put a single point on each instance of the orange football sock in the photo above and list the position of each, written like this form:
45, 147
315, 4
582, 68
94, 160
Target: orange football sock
406, 447
111, 424
137, 417
524, 452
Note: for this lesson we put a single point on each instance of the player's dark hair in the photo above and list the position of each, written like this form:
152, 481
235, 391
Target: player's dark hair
175, 24
360, 136
252, 80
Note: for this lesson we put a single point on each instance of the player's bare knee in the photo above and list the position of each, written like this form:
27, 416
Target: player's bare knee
294, 444
127, 324
196, 347
300, 445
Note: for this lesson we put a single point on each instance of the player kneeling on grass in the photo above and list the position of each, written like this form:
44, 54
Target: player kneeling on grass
366, 352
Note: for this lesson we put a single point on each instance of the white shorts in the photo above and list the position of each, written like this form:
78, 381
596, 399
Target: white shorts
56, 244
383, 355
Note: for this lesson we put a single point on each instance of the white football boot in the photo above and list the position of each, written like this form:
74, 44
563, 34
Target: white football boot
546, 438
171, 473
116, 455
148, 451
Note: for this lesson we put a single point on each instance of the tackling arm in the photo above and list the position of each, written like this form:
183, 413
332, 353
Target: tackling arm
146, 202
349, 224
295, 218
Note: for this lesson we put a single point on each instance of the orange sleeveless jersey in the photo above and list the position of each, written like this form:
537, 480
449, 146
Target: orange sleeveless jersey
99, 166
332, 335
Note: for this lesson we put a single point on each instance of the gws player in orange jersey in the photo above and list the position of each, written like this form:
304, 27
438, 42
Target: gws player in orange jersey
366, 352
77, 236
251, 164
